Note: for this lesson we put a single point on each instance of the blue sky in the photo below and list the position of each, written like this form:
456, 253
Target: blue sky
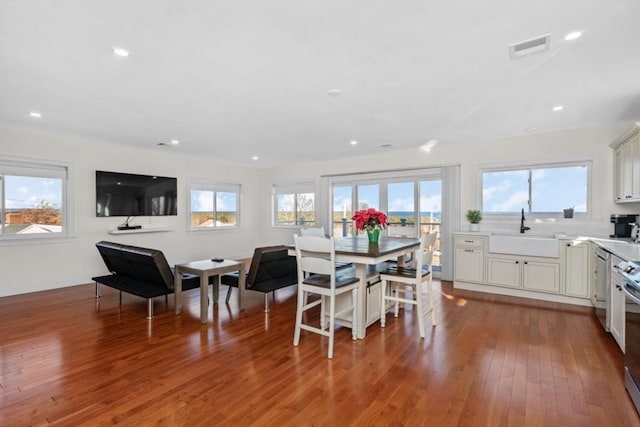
28, 192
202, 201
553, 190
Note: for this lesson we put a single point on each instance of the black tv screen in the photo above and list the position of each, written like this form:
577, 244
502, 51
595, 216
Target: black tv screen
126, 194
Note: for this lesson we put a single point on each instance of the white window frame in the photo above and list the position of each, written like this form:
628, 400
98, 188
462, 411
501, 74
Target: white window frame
293, 188
205, 184
589, 164
39, 168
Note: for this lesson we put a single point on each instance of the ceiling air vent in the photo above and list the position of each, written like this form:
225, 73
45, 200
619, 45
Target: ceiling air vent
529, 47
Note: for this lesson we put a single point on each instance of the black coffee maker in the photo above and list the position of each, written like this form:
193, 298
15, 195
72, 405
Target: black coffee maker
622, 224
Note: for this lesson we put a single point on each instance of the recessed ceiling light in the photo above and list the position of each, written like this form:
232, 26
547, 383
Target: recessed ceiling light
573, 35
558, 108
354, 142
427, 146
35, 115
173, 142
335, 92
121, 52
254, 158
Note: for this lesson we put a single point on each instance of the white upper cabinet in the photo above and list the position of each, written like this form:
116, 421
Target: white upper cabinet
627, 166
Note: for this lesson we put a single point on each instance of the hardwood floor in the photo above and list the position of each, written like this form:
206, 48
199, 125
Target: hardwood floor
490, 361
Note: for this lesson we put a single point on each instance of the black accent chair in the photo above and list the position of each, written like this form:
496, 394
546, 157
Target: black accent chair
271, 268
139, 271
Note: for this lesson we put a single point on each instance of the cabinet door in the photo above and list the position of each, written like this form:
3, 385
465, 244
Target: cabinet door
627, 166
469, 266
577, 271
635, 167
541, 276
373, 303
504, 271
626, 169
617, 309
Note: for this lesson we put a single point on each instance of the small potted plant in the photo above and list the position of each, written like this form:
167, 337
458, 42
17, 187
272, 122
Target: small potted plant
568, 212
474, 217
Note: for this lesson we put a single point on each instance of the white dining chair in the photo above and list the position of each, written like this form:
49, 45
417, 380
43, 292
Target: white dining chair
407, 284
317, 275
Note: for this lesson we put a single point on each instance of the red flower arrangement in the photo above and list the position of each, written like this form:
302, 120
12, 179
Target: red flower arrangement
370, 219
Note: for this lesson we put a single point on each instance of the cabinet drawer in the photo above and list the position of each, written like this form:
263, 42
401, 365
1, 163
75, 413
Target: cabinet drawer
476, 241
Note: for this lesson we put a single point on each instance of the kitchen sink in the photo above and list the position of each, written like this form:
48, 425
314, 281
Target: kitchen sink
544, 245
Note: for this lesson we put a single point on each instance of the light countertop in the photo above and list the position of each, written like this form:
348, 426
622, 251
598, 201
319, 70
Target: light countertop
626, 250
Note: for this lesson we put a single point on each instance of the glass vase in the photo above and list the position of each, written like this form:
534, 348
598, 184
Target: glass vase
373, 235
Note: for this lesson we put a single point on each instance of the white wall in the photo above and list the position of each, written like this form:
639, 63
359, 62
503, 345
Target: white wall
582, 144
28, 268
32, 267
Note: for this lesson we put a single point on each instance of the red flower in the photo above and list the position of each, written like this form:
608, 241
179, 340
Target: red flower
370, 219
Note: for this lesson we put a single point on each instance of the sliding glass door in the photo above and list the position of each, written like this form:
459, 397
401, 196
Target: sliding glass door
413, 204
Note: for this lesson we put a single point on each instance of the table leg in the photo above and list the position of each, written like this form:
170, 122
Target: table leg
361, 303
215, 288
204, 297
242, 284
177, 289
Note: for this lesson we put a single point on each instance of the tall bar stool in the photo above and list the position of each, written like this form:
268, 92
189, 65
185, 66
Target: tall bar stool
402, 284
316, 259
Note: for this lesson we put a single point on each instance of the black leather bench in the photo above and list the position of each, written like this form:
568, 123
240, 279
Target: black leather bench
271, 268
139, 271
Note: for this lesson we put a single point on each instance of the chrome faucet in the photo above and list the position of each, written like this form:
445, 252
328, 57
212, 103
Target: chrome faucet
522, 227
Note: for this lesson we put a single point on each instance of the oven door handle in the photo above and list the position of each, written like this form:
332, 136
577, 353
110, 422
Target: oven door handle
629, 294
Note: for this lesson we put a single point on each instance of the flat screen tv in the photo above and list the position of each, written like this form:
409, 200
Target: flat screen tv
126, 194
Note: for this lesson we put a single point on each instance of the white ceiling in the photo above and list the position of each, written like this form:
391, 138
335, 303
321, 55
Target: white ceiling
232, 79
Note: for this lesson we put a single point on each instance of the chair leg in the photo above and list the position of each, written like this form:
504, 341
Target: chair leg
397, 304
354, 314
97, 290
296, 334
228, 297
430, 294
323, 313
266, 302
332, 314
419, 309
149, 308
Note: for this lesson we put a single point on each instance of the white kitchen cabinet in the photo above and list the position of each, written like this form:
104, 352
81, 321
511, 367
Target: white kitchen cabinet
577, 268
469, 258
530, 273
504, 271
627, 166
541, 276
618, 301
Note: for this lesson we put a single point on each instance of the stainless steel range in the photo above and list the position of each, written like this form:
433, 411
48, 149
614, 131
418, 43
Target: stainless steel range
631, 287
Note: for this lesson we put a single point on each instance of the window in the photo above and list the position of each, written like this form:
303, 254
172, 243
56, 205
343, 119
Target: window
34, 200
294, 205
546, 189
214, 205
